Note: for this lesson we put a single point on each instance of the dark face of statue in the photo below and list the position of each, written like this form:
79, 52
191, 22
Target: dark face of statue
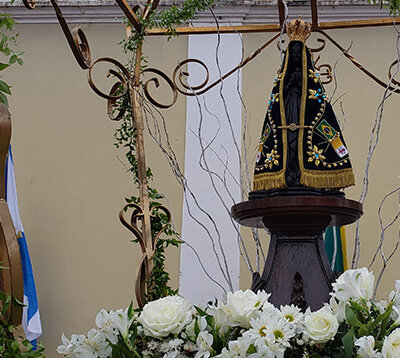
295, 49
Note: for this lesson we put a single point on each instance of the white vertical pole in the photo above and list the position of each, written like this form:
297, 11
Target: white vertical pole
194, 283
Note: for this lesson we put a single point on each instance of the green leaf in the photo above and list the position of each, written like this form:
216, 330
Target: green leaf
372, 325
13, 59
252, 349
315, 355
200, 311
347, 341
351, 317
6, 51
4, 87
3, 66
196, 327
15, 346
130, 310
3, 99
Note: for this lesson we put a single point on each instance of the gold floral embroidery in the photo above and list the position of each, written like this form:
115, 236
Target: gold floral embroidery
316, 155
315, 75
277, 79
272, 159
317, 94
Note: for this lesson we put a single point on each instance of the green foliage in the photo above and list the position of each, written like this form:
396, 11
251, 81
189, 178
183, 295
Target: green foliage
125, 136
392, 5
10, 346
167, 19
8, 55
179, 14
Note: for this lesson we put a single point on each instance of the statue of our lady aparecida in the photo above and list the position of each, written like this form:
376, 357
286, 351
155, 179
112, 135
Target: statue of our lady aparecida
301, 150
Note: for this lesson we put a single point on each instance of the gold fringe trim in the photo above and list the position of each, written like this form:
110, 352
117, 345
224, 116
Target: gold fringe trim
332, 180
267, 181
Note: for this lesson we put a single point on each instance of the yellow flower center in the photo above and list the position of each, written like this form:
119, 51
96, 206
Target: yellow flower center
278, 334
262, 331
289, 317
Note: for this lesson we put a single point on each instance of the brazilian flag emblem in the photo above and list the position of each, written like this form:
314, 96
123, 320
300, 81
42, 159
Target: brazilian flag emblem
265, 134
327, 131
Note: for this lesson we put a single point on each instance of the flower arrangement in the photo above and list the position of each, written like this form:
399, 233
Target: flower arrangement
246, 324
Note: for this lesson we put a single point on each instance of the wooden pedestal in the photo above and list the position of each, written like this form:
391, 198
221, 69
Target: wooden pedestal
297, 269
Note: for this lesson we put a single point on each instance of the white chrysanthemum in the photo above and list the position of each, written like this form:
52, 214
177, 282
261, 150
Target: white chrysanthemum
366, 346
271, 330
354, 284
262, 299
292, 313
269, 308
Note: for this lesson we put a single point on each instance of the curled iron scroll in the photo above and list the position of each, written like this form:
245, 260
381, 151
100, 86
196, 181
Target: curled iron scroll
123, 76
359, 65
155, 81
113, 113
327, 73
195, 89
318, 49
132, 225
313, 50
77, 40
145, 266
29, 4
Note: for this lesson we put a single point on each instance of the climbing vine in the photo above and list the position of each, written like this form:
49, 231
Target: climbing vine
125, 135
8, 55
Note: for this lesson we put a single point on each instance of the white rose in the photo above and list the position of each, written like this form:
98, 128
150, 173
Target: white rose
241, 306
166, 315
322, 325
354, 284
391, 345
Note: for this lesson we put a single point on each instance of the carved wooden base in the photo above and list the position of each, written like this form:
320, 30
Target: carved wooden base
297, 268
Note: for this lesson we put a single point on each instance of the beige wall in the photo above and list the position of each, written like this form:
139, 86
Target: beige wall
71, 184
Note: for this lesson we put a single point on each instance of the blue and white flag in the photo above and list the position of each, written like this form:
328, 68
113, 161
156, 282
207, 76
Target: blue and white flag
30, 316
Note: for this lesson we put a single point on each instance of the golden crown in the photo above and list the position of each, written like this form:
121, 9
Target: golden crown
298, 30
